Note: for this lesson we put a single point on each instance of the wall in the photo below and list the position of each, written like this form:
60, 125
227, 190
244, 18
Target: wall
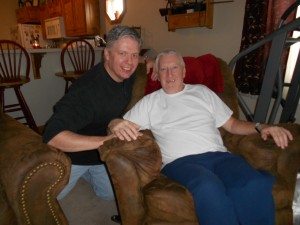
223, 40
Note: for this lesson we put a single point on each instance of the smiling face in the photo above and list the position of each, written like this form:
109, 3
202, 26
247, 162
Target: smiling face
121, 59
171, 72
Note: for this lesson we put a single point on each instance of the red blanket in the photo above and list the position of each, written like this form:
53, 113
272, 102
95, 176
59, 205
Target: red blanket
204, 70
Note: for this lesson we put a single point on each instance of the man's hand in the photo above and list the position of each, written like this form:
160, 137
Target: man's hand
280, 135
124, 129
150, 67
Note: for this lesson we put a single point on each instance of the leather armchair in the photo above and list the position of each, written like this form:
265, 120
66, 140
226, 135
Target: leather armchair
31, 176
145, 196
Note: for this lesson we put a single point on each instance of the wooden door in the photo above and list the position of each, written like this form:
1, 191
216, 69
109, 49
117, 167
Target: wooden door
54, 8
67, 7
79, 17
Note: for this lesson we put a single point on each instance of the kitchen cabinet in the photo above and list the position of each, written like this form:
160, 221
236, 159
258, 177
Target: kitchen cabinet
54, 9
81, 17
50, 9
202, 18
28, 14
37, 14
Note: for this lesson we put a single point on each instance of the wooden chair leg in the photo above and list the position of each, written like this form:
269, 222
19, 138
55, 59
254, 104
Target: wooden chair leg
66, 86
25, 109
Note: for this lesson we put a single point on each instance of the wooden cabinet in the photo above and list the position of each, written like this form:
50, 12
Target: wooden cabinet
81, 17
37, 14
43, 15
202, 18
54, 8
67, 8
28, 14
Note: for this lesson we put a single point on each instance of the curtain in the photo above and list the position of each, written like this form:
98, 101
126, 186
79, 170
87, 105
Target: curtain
261, 18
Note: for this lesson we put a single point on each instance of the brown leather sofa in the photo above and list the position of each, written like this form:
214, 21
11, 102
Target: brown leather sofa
31, 176
32, 173
145, 196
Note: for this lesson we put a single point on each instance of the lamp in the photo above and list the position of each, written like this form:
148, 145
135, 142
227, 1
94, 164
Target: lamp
115, 10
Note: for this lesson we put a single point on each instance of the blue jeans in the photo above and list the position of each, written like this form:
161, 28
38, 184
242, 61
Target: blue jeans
96, 175
225, 188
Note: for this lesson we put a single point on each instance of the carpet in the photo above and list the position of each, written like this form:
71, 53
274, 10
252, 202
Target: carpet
82, 207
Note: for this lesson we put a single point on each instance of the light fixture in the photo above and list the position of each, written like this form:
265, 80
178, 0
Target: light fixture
115, 10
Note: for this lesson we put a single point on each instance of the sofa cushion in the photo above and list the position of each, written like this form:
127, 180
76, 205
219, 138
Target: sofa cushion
165, 199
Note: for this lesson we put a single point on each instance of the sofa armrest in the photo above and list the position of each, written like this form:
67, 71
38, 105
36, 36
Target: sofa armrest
265, 155
131, 165
31, 174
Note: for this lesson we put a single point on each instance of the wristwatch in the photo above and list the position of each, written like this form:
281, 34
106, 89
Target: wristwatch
258, 127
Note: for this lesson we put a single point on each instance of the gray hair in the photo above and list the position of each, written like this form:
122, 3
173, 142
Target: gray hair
119, 32
169, 52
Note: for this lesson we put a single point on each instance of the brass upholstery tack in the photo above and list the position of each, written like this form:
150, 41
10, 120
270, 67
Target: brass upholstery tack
49, 191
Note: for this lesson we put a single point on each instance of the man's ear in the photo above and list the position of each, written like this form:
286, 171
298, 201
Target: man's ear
158, 76
106, 54
183, 73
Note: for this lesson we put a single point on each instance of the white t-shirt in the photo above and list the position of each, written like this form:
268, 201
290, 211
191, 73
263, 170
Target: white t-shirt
184, 123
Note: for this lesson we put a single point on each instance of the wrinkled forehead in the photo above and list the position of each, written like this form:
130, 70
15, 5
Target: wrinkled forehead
127, 44
170, 60
127, 39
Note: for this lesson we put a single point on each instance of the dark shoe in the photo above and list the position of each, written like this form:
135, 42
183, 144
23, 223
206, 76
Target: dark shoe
116, 218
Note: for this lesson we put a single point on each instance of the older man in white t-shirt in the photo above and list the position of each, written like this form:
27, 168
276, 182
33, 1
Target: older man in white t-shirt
184, 120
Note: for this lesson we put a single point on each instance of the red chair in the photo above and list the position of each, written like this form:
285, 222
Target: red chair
14, 61
81, 55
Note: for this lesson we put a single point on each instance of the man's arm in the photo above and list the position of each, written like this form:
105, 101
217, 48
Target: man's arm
68, 141
150, 68
280, 135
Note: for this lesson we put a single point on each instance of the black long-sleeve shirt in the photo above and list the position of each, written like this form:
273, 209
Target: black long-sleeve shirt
90, 104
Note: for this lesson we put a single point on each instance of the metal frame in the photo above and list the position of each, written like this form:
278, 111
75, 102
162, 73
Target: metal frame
272, 77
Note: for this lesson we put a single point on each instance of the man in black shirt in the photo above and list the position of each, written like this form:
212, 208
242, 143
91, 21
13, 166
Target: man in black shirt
78, 124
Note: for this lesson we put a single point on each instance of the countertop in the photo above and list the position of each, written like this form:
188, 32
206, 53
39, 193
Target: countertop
49, 50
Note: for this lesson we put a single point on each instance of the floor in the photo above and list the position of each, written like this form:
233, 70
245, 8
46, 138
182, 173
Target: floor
296, 205
82, 207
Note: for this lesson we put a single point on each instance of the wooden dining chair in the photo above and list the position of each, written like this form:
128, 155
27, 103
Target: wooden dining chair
80, 56
14, 72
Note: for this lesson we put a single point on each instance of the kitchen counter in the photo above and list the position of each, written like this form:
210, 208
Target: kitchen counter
37, 55
50, 50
